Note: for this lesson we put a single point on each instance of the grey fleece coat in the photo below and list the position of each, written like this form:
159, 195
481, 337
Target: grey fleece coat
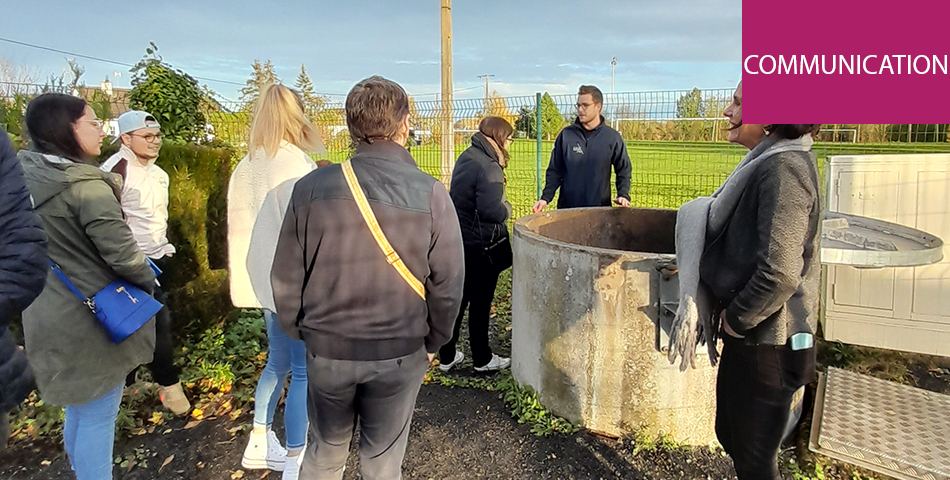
72, 357
764, 268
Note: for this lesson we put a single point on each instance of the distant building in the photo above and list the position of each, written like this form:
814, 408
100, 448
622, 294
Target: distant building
116, 98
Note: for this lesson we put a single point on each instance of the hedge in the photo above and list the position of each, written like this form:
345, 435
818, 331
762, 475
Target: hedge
196, 279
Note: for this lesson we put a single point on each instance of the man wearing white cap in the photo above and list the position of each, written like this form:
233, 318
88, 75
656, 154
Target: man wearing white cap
145, 205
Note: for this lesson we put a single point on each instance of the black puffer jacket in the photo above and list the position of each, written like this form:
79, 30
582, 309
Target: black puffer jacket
478, 192
22, 272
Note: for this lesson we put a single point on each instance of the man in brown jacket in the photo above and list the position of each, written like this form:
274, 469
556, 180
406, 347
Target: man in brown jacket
371, 332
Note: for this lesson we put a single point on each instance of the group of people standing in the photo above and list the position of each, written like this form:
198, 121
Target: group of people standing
364, 270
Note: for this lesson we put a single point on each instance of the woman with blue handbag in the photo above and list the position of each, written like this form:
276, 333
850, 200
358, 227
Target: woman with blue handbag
83, 338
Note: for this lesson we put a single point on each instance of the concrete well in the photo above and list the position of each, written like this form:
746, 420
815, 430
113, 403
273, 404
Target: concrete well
591, 308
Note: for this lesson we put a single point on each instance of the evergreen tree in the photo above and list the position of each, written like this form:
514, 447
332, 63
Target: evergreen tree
551, 119
262, 75
313, 104
526, 121
690, 105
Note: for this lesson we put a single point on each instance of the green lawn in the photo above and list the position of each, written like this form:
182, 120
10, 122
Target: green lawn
665, 174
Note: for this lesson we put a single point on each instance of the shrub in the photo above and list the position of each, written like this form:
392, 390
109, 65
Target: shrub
197, 278
172, 96
196, 282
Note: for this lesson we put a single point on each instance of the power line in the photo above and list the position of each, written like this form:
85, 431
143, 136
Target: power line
65, 52
98, 59
453, 91
104, 60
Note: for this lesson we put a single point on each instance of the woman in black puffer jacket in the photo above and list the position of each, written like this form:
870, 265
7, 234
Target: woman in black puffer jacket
22, 277
478, 191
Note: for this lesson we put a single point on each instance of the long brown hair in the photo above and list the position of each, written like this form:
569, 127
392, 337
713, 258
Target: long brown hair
498, 130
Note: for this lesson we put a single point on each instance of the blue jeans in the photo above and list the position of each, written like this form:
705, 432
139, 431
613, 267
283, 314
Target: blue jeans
89, 435
284, 355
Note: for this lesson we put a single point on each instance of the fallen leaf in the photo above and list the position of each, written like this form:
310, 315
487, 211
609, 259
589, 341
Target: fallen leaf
237, 474
45, 463
200, 465
166, 462
192, 424
166, 432
234, 430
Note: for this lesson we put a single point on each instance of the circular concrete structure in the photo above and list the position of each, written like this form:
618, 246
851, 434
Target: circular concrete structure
591, 308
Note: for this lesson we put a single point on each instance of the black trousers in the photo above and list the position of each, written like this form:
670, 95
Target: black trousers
478, 294
379, 396
754, 392
163, 368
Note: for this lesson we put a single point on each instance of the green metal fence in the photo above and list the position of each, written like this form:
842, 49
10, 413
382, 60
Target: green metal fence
674, 138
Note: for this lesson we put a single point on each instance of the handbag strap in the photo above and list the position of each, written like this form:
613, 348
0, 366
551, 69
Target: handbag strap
72, 287
391, 256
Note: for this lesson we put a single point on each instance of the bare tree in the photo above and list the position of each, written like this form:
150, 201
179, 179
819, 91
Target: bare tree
14, 78
77, 70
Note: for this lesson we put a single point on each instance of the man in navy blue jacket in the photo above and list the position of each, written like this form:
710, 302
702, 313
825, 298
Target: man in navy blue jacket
582, 157
22, 277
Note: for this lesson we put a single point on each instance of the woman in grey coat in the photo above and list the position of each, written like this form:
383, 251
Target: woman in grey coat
75, 362
763, 271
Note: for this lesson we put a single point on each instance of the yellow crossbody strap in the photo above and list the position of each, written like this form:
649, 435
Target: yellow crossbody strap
391, 256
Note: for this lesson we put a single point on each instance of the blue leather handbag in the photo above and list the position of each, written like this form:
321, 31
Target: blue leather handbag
122, 308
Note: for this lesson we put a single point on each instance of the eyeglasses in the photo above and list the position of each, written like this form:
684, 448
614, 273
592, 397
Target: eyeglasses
95, 123
149, 137
583, 106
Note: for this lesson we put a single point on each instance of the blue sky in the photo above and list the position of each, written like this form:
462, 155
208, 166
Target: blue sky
552, 46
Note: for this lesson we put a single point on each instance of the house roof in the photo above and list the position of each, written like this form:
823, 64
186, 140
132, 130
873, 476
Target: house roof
118, 101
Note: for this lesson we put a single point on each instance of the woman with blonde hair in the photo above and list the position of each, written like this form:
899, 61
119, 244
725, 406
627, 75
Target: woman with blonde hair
258, 195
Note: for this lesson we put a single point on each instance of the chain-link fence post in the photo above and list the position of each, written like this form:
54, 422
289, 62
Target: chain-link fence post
537, 136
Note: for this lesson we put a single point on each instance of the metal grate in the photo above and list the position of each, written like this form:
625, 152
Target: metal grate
883, 426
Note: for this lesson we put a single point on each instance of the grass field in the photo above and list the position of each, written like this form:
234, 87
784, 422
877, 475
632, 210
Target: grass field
665, 174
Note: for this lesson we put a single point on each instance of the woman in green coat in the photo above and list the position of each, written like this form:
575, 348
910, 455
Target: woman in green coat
75, 362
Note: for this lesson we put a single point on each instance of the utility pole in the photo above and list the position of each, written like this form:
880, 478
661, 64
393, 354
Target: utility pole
448, 123
487, 103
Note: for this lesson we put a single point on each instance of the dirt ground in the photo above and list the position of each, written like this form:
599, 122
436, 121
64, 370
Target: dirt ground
457, 433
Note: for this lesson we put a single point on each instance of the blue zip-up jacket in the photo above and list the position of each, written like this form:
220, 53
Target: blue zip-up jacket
22, 272
580, 167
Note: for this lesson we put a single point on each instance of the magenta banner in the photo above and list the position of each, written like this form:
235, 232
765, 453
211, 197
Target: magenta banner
846, 62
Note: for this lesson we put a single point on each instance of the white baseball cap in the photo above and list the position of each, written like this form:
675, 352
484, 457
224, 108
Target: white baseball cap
135, 120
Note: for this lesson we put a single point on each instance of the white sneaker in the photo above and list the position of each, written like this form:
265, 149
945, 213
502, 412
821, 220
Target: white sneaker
292, 467
264, 451
445, 367
496, 363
